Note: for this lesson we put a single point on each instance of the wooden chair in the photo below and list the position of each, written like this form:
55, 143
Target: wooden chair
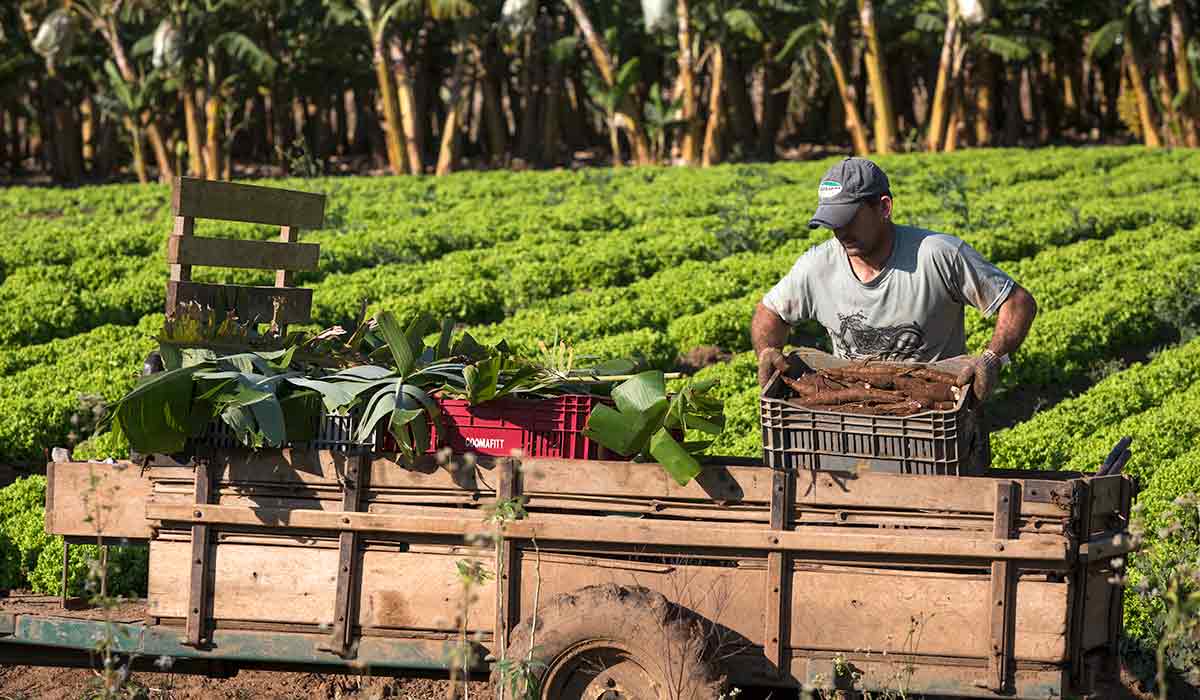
193, 199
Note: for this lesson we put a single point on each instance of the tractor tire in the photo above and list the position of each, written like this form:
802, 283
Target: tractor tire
610, 642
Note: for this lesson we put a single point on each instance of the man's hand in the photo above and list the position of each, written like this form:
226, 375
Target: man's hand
769, 360
982, 373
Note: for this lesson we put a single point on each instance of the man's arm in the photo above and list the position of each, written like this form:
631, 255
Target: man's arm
767, 329
768, 334
1013, 321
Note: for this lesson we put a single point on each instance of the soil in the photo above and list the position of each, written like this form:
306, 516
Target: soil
700, 357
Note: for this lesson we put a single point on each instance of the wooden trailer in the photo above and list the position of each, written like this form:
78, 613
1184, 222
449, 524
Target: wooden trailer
621, 583
961, 586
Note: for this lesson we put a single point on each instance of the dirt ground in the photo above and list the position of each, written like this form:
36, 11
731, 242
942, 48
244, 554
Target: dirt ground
49, 683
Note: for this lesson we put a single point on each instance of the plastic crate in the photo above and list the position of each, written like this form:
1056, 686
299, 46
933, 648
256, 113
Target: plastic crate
549, 427
930, 442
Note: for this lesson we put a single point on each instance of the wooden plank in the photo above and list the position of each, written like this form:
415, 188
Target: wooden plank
288, 235
200, 575
184, 226
265, 583
508, 607
249, 303
899, 612
227, 201
903, 492
545, 476
1046, 550
342, 638
779, 566
1105, 493
921, 676
84, 499
228, 252
1003, 588
729, 597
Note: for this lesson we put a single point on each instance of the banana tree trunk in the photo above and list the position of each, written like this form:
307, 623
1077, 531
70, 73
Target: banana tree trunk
627, 111
690, 145
195, 164
139, 158
614, 140
551, 121
1189, 107
712, 131
858, 134
1145, 108
391, 120
448, 151
741, 110
984, 73
408, 107
212, 136
885, 119
1172, 128
940, 106
108, 30
65, 153
493, 119
774, 104
956, 119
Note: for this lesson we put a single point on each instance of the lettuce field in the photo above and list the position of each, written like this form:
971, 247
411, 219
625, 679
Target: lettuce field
665, 265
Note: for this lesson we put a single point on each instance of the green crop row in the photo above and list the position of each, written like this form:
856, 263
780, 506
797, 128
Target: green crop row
39, 399
1050, 439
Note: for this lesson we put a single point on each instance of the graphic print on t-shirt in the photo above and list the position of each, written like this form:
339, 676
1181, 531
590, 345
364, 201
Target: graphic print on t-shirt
857, 340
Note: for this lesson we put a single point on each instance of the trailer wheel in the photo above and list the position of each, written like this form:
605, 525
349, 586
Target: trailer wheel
611, 642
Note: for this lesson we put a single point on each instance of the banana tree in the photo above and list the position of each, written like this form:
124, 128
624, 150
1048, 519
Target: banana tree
822, 32
127, 102
378, 16
1122, 33
609, 98
104, 17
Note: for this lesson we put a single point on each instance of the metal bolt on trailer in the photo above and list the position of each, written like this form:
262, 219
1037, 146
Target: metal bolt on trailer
620, 581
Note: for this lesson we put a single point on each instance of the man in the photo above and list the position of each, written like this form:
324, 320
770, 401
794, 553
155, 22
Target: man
889, 292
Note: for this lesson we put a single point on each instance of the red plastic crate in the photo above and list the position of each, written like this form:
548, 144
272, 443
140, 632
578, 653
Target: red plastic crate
550, 427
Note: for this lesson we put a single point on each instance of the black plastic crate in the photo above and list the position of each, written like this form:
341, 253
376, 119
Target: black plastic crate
930, 442
334, 433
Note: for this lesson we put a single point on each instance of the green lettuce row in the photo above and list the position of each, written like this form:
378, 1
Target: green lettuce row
72, 297
1052, 437
1060, 276
39, 400
491, 287
1160, 434
649, 303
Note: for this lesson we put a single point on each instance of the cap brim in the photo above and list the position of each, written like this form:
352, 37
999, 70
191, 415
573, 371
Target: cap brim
834, 216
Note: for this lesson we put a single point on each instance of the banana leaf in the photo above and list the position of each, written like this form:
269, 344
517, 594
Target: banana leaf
156, 416
681, 465
640, 424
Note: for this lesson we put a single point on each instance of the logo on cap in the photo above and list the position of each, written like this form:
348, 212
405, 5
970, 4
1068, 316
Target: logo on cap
829, 189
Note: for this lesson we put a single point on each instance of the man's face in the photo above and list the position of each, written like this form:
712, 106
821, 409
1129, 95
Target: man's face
865, 234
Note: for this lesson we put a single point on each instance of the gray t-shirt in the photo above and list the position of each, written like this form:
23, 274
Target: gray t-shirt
912, 311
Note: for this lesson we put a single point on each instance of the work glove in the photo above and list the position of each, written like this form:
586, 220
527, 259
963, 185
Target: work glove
981, 372
769, 360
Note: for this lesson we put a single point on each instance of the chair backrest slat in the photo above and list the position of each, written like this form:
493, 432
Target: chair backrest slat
193, 198
228, 201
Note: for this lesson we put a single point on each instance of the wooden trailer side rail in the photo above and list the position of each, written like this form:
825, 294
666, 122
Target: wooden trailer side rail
787, 536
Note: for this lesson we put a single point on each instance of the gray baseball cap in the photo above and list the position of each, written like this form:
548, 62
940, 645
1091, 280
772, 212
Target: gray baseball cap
843, 190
